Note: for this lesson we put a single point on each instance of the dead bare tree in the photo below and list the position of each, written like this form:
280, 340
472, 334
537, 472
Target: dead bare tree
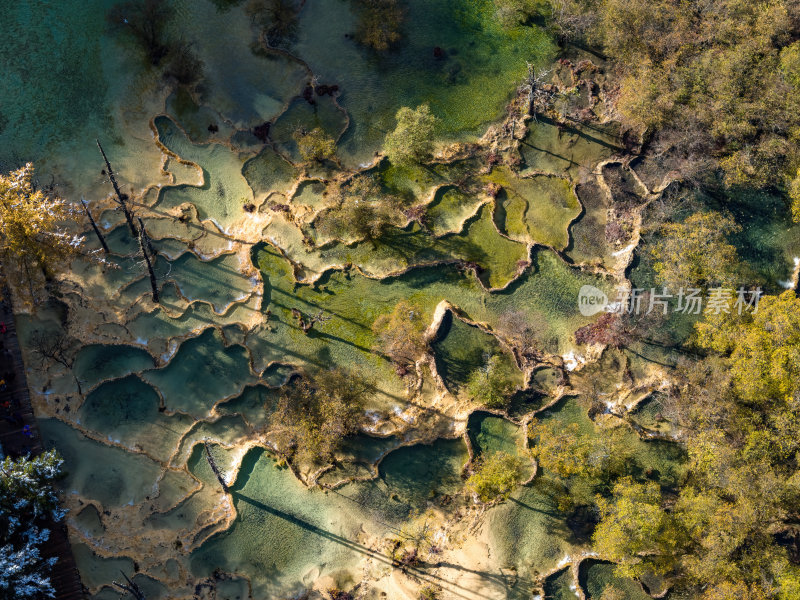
95, 227
537, 92
213, 464
147, 21
130, 587
56, 347
121, 198
307, 326
146, 250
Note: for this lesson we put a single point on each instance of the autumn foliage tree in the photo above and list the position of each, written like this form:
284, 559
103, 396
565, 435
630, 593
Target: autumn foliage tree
495, 476
379, 23
696, 252
720, 74
314, 145
316, 412
412, 139
363, 212
401, 335
492, 384
578, 465
731, 530
34, 242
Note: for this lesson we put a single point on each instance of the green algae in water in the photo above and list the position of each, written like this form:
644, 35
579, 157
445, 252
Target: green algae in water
499, 259
546, 379
769, 240
284, 535
466, 90
450, 209
560, 586
462, 349
536, 209
271, 545
304, 116
490, 434
529, 532
510, 214
546, 296
649, 413
417, 474
588, 241
596, 576
417, 182
562, 150
569, 411
353, 302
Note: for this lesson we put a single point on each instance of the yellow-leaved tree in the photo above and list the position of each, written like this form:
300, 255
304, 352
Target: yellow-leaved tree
729, 530
34, 242
696, 252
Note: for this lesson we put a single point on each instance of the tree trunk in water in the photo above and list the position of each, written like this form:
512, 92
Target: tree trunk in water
143, 245
95, 227
30, 281
130, 587
120, 197
212, 463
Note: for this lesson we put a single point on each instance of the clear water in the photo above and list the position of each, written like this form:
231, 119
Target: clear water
596, 576
203, 372
560, 586
98, 362
480, 57
463, 349
490, 434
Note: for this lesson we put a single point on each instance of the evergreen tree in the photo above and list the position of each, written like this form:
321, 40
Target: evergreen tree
28, 505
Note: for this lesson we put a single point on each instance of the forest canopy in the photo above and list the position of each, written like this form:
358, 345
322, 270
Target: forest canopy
716, 78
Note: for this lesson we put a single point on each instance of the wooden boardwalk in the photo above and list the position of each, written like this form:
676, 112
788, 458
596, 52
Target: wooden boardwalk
19, 435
